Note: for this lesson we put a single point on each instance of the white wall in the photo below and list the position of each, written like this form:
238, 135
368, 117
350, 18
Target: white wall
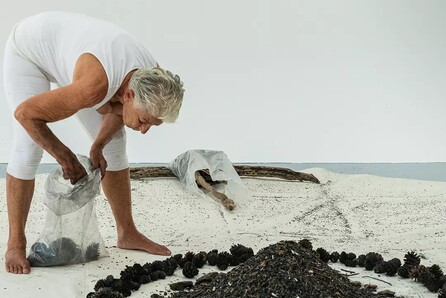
290, 80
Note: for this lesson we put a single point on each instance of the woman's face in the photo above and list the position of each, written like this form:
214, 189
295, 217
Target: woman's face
135, 118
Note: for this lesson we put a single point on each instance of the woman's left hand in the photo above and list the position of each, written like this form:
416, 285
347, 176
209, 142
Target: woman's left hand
97, 159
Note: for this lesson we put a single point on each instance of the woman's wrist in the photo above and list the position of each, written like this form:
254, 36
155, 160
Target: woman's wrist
65, 156
97, 146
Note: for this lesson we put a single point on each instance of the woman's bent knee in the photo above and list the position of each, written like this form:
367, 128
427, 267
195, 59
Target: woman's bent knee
23, 165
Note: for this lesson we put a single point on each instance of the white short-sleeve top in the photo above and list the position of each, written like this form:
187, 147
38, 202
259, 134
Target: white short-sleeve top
53, 41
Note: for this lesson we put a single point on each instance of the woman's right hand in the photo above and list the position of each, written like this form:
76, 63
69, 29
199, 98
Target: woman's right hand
71, 167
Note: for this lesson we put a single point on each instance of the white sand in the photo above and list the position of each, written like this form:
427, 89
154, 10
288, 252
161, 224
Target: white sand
357, 213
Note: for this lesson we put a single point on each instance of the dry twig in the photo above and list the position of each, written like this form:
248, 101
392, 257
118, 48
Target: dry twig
227, 202
378, 279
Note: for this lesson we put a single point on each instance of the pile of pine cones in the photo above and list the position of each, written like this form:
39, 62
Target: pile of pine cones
431, 277
133, 276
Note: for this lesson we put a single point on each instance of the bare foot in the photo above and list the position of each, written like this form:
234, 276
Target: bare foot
140, 242
16, 262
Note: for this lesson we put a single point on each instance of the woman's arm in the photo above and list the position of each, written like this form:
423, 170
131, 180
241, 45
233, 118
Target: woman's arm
36, 112
89, 87
111, 124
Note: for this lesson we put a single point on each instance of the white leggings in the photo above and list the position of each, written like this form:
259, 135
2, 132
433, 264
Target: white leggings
22, 80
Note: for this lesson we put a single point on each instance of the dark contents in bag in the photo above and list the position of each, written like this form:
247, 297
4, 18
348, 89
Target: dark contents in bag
62, 251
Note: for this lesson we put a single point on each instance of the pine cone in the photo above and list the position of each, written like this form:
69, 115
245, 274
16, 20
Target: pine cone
240, 254
334, 256
238, 250
442, 292
415, 272
212, 258
346, 256
380, 267
158, 265
189, 270
161, 274
199, 259
361, 260
154, 275
101, 284
224, 258
306, 244
442, 280
343, 257
425, 276
412, 259
178, 257
404, 271
106, 293
247, 255
133, 285
250, 252
351, 263
140, 270
172, 261
129, 273
143, 279
371, 259
122, 287
351, 256
324, 256
432, 285
103, 292
188, 257
92, 252
436, 271
148, 267
392, 266
170, 266
66, 250
170, 271
428, 279
235, 261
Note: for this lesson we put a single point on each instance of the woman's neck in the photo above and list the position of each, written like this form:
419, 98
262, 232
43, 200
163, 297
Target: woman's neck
120, 93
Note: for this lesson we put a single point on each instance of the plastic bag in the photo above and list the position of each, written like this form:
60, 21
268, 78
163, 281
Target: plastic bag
62, 197
71, 233
220, 169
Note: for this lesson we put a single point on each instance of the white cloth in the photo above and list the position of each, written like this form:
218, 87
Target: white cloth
53, 41
44, 48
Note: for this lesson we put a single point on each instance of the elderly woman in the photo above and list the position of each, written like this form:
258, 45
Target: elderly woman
108, 80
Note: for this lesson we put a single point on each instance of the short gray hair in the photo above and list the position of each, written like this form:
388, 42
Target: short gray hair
159, 91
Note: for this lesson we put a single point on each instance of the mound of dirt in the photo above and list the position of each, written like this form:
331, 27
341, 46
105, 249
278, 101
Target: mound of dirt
285, 269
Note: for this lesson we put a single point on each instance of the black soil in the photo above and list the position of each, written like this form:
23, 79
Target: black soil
285, 269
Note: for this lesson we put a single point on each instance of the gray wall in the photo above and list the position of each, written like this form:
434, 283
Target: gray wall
294, 81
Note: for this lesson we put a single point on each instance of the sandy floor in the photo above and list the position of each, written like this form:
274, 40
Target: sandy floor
357, 213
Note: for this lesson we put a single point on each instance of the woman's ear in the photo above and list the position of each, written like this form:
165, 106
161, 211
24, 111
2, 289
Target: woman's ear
129, 95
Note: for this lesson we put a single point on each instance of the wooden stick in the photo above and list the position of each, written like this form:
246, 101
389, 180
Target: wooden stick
275, 172
243, 171
378, 279
351, 274
150, 172
347, 271
204, 180
227, 202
